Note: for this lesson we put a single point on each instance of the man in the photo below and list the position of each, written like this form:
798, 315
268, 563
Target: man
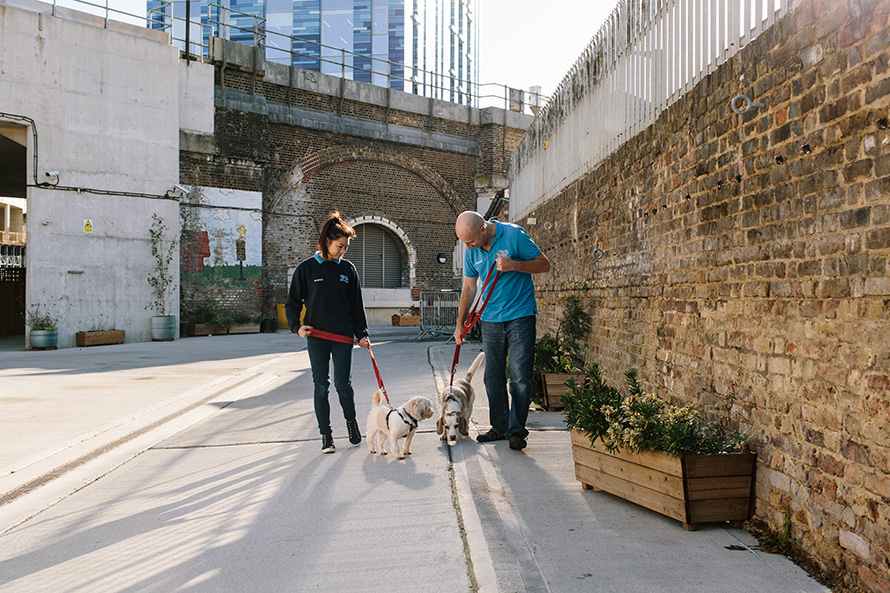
508, 322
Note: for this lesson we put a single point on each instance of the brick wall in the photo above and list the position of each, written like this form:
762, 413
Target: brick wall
751, 254
305, 173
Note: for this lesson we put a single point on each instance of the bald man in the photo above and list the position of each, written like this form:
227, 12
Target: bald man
508, 322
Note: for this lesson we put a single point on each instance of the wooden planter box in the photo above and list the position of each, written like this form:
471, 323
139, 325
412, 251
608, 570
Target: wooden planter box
206, 329
245, 328
406, 320
114, 336
692, 489
553, 385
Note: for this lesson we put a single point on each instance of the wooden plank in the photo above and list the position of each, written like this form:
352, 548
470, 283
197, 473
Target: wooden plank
245, 328
655, 459
729, 509
655, 501
631, 472
738, 464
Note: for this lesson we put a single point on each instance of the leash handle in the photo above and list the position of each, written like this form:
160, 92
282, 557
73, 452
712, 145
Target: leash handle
319, 333
474, 316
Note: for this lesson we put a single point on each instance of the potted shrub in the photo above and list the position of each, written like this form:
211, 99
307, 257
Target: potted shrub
98, 335
669, 459
245, 324
163, 326
560, 359
42, 328
205, 320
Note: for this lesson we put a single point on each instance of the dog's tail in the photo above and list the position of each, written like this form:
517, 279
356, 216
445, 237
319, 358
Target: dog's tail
475, 366
377, 398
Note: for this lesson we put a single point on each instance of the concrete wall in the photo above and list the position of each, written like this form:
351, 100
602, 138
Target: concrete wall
106, 106
749, 255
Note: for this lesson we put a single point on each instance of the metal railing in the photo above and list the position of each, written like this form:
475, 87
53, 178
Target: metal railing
192, 35
231, 24
438, 313
647, 55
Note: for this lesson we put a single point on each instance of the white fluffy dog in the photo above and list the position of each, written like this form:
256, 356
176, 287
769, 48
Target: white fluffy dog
457, 406
386, 425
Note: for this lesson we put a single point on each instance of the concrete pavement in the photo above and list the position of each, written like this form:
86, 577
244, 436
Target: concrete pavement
195, 465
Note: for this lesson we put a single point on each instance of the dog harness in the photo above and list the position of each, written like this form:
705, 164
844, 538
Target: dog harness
318, 333
411, 425
474, 316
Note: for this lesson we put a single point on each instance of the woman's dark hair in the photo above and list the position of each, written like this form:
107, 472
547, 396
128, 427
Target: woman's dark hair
334, 228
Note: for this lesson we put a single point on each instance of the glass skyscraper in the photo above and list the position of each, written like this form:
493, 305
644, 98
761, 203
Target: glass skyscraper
426, 47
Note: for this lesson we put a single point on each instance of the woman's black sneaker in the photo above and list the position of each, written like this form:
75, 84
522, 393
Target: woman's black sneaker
355, 437
327, 443
517, 443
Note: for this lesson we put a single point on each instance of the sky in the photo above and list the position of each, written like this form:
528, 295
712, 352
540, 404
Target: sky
535, 42
521, 42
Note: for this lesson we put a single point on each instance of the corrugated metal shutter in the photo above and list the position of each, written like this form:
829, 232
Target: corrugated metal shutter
376, 256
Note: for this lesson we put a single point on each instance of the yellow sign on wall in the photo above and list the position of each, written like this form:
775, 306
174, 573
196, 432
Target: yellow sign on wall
88, 226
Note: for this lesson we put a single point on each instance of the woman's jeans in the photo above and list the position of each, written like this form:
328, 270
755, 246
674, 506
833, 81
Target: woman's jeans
321, 353
518, 338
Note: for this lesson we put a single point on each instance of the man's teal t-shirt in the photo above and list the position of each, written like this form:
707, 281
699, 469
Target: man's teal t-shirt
514, 295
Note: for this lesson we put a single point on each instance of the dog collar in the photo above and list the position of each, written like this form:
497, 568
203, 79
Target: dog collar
452, 398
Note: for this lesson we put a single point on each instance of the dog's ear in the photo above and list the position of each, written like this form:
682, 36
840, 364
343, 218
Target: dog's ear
440, 426
462, 426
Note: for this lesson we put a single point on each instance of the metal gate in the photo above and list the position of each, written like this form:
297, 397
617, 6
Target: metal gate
438, 313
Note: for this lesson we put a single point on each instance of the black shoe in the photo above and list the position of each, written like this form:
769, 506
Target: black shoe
517, 443
327, 443
355, 437
490, 436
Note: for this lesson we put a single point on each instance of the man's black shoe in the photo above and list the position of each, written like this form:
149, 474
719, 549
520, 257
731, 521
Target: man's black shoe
517, 443
491, 435
355, 437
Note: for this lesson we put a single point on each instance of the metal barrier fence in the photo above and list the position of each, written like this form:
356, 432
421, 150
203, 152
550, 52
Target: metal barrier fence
438, 313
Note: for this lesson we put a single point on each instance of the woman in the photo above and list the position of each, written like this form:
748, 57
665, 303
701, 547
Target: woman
328, 286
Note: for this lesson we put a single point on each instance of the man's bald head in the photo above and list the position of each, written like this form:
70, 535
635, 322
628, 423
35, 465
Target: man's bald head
472, 230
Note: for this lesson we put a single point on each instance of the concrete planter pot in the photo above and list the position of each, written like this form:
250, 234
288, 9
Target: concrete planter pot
99, 338
44, 339
692, 489
163, 328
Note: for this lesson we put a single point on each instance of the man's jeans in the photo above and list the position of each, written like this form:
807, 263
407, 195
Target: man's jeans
518, 338
321, 353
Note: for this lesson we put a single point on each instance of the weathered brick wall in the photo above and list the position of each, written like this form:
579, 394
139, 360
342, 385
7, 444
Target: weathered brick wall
305, 173
751, 255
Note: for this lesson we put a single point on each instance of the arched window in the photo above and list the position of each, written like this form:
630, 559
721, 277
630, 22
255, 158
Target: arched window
377, 257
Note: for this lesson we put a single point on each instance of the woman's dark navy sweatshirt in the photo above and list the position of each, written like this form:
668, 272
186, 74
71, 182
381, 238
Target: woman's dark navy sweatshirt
332, 295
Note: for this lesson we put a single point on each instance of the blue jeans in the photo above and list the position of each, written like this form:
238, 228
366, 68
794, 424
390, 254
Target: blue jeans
518, 338
321, 353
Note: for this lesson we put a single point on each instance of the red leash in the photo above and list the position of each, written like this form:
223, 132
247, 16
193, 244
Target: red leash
318, 333
474, 316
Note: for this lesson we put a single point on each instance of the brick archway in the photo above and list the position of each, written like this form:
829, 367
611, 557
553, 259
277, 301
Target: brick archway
316, 161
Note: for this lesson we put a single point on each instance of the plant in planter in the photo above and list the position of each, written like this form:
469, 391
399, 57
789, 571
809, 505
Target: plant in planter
163, 326
101, 333
670, 459
245, 324
43, 328
560, 358
206, 319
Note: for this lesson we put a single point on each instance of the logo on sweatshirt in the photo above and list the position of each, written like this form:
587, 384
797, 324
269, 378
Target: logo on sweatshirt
344, 278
